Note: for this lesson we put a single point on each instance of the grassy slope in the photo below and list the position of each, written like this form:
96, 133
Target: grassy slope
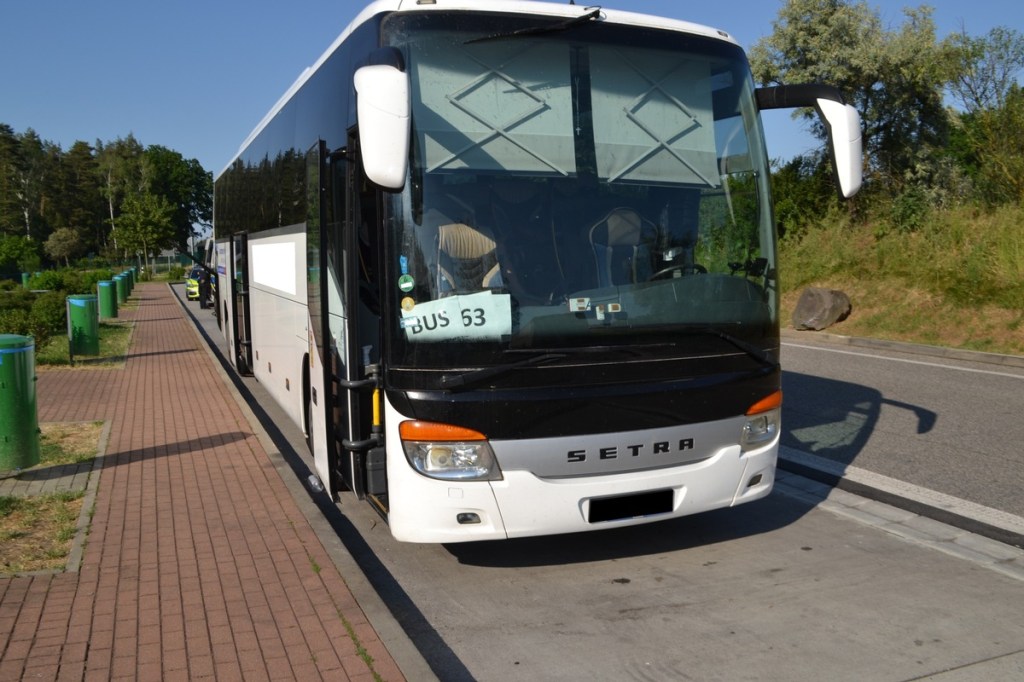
958, 281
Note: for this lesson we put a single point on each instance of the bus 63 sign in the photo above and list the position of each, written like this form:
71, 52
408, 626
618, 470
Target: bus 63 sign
479, 317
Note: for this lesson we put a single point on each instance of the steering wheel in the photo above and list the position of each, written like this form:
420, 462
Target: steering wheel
686, 269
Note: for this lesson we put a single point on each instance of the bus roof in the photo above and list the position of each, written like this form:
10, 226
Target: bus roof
548, 9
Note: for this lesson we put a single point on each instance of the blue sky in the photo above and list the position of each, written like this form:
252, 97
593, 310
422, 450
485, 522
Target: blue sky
198, 75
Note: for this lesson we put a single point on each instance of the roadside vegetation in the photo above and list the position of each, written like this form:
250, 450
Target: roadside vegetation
932, 249
957, 281
36, 532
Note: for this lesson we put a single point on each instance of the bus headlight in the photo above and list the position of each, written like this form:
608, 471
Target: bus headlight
448, 452
764, 420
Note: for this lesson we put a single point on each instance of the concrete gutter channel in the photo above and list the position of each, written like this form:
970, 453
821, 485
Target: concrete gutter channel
399, 622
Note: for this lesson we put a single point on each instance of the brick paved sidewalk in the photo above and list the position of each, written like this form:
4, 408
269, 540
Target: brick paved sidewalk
199, 562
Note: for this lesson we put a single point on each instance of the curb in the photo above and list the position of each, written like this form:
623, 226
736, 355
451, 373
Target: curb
88, 503
905, 347
963, 514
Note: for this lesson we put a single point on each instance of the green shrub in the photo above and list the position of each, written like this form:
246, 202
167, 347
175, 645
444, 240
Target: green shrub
49, 312
14, 321
89, 279
70, 281
48, 279
41, 315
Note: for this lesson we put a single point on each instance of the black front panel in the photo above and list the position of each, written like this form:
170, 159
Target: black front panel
610, 408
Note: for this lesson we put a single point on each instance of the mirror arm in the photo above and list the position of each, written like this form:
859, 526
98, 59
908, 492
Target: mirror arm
841, 121
795, 96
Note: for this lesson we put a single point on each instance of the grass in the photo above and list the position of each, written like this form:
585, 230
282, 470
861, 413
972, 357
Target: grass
68, 443
114, 340
958, 281
36, 532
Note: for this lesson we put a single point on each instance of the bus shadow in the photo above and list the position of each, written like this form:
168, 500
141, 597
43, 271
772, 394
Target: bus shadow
673, 535
835, 419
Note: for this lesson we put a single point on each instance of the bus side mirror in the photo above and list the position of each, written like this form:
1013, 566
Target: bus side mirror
841, 120
843, 123
382, 108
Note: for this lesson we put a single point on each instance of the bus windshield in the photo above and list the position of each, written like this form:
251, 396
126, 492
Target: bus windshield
593, 187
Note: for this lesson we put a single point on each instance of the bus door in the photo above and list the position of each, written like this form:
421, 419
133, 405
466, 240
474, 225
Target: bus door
328, 272
350, 263
221, 257
241, 328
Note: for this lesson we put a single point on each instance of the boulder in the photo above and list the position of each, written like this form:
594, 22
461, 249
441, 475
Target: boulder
819, 309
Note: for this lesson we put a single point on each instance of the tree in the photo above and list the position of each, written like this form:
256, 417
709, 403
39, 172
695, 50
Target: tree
185, 185
983, 70
145, 225
119, 165
43, 188
18, 254
10, 164
894, 78
64, 244
998, 135
31, 175
79, 204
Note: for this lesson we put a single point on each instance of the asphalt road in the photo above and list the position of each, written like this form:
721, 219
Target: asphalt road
945, 422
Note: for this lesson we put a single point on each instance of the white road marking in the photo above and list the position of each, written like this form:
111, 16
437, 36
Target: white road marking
904, 360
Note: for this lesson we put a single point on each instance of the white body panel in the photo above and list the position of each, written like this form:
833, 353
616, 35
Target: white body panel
280, 327
219, 262
281, 335
279, 317
425, 510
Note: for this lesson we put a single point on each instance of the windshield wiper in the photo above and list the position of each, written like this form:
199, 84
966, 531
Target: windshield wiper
753, 351
629, 349
474, 376
540, 357
540, 30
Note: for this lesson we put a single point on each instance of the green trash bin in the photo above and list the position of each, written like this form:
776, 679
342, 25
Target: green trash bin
130, 275
25, 277
19, 421
83, 325
122, 289
106, 292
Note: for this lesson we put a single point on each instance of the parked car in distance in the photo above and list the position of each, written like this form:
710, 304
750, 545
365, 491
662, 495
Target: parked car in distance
192, 285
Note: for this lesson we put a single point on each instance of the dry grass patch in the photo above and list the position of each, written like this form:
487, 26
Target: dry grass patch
36, 532
68, 442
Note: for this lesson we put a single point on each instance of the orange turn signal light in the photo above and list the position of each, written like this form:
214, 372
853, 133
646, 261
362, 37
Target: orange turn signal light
437, 432
772, 402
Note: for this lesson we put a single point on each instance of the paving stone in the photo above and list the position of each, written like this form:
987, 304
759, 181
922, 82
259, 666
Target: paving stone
165, 575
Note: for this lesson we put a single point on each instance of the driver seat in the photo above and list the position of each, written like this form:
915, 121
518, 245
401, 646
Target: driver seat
623, 245
466, 260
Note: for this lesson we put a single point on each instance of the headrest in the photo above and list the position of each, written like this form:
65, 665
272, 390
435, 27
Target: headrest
463, 242
621, 227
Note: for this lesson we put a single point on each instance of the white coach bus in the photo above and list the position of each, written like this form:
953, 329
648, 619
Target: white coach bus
512, 266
